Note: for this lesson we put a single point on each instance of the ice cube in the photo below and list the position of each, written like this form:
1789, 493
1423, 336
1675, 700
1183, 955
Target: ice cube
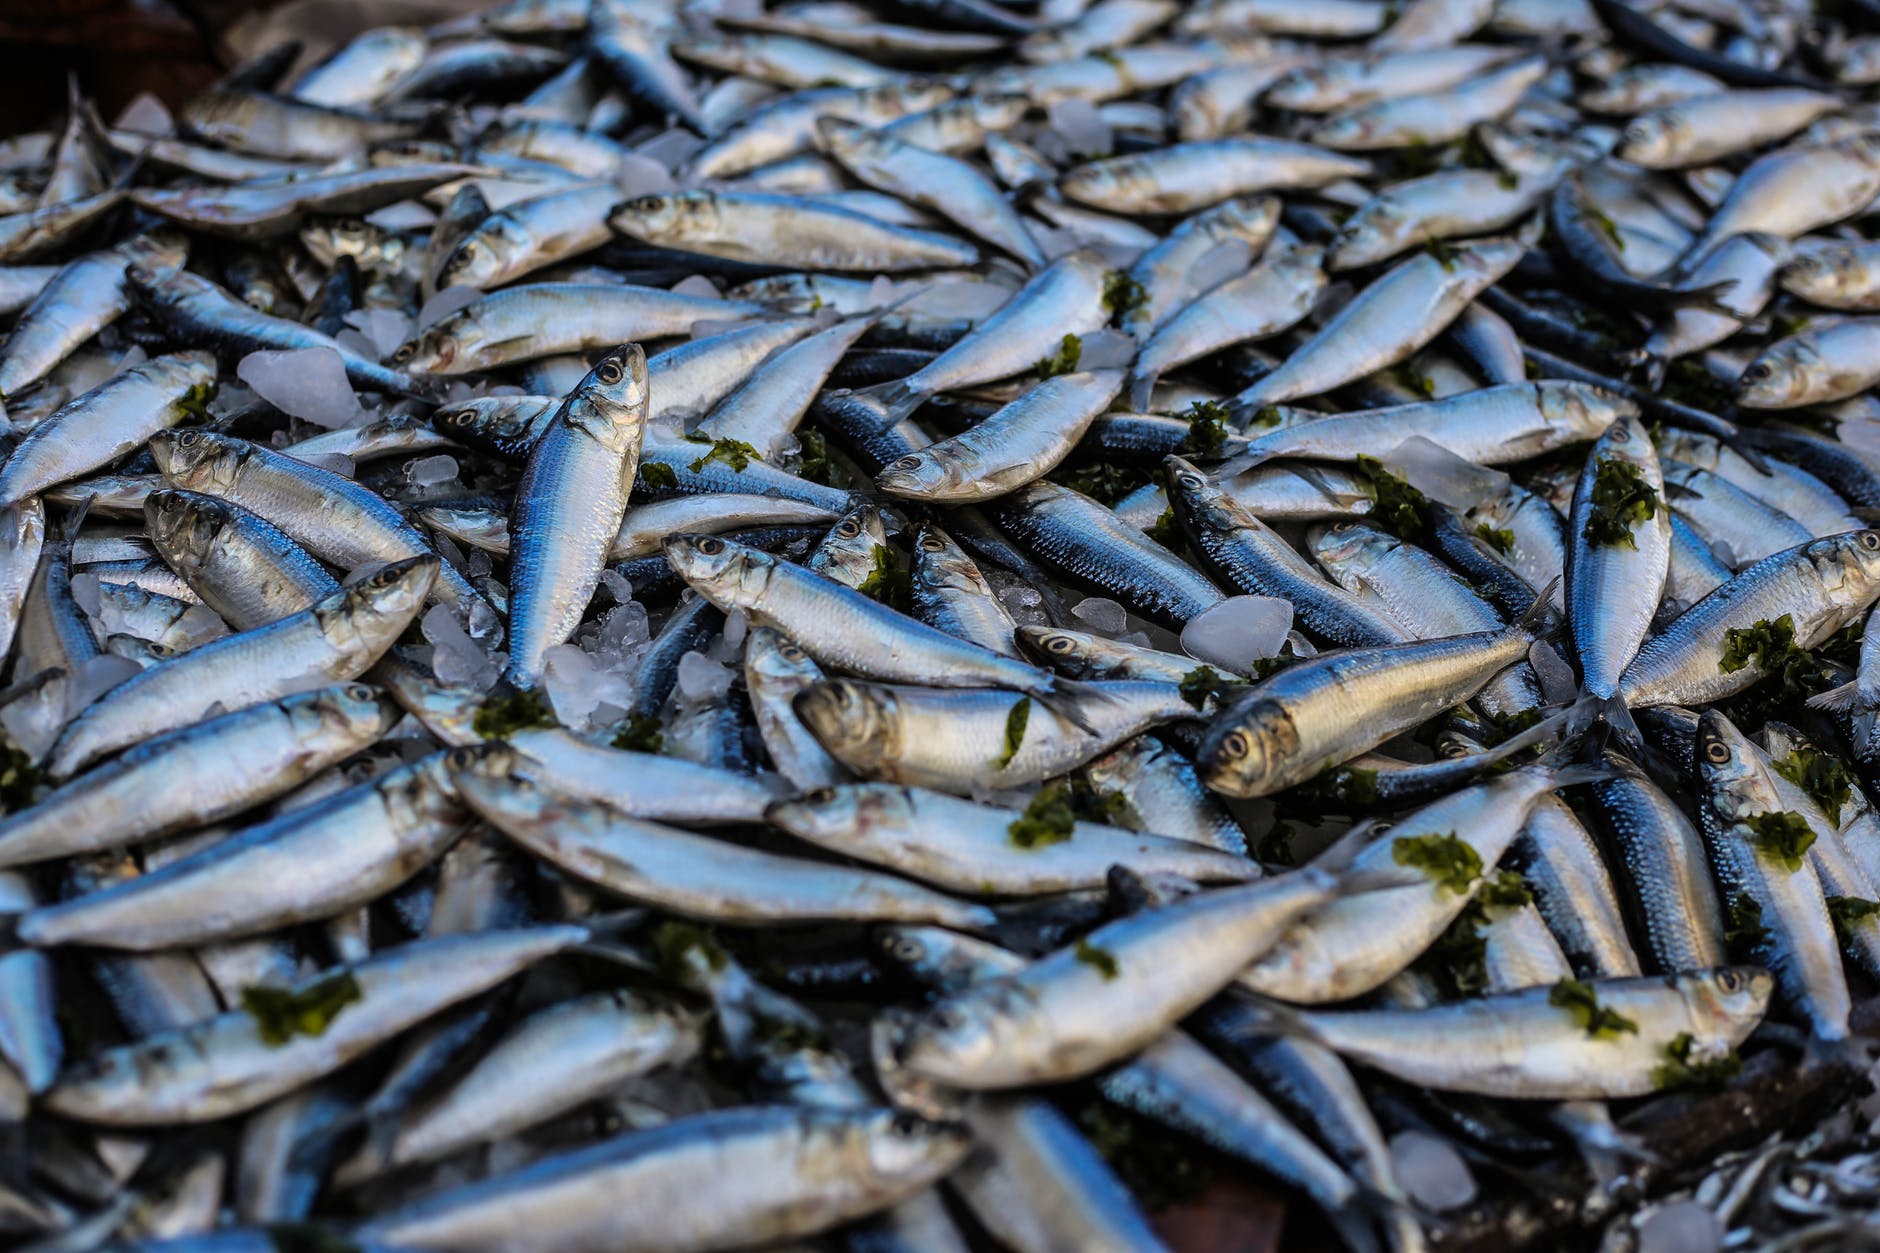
198, 625
670, 148
446, 303
95, 677
1431, 1171
736, 626
1081, 128
641, 175
1101, 616
455, 656
696, 285
307, 383
1238, 632
1442, 475
89, 595
1680, 1227
145, 115
571, 681
406, 215
701, 680
431, 471
1105, 350
386, 328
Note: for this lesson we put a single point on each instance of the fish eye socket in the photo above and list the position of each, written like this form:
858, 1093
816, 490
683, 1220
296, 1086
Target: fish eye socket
403, 354
1757, 372
908, 463
711, 547
1870, 540
931, 544
905, 1124
1188, 478
359, 691
467, 252
1235, 744
904, 948
849, 529
1061, 644
820, 796
610, 372
1730, 981
462, 758
1717, 752
947, 1018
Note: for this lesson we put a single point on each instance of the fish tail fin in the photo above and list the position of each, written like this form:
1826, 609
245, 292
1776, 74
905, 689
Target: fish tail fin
1840, 699
1539, 620
1648, 367
1710, 297
1141, 388
1248, 1017
895, 398
1590, 712
1356, 1221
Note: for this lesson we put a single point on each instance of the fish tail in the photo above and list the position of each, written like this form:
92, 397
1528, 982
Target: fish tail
1141, 388
1254, 1017
895, 398
1710, 297
1539, 621
1591, 712
1356, 1222
1836, 699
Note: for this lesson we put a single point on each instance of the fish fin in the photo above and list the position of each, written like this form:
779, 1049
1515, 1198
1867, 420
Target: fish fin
895, 399
1336, 857
1589, 712
1539, 620
1649, 367
1255, 1017
1678, 491
1709, 298
1058, 695
1141, 388
1840, 699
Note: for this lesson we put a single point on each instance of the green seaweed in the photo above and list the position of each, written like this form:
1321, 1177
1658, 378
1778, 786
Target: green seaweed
732, 452
1450, 861
640, 733
1100, 959
1784, 837
676, 944
280, 1014
1107, 481
816, 464
1679, 1071
1823, 776
1015, 722
1396, 506
500, 717
1165, 530
888, 579
1207, 430
658, 474
19, 778
1123, 295
1204, 681
1848, 912
1743, 930
1621, 500
1070, 351
194, 405
1596, 1020
1048, 819
1498, 538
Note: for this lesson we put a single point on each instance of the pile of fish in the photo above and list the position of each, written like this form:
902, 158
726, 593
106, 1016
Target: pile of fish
910, 624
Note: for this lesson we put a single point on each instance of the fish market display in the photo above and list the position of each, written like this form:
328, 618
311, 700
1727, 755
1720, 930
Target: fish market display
930, 625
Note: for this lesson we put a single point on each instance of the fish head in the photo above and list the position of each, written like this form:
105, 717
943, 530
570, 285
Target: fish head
940, 563
1071, 653
330, 238
838, 812
380, 605
729, 574
999, 111
902, 1148
200, 461
1348, 543
1196, 495
859, 723
664, 215
354, 713
1849, 567
918, 473
1585, 409
770, 653
1652, 139
1366, 237
433, 350
1728, 1000
958, 1036
161, 251
492, 759
616, 387
1307, 87
1248, 750
1782, 377
186, 527
1810, 274
485, 254
861, 527
1735, 778
1356, 129
839, 135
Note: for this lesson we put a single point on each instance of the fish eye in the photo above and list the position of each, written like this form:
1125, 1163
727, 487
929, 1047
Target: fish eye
461, 417
1619, 434
1757, 372
466, 252
404, 353
931, 544
1235, 744
1870, 540
711, 547
849, 529
948, 1018
908, 463
906, 1124
1188, 478
188, 439
1063, 645
1730, 981
610, 372
904, 948
1717, 752
359, 691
